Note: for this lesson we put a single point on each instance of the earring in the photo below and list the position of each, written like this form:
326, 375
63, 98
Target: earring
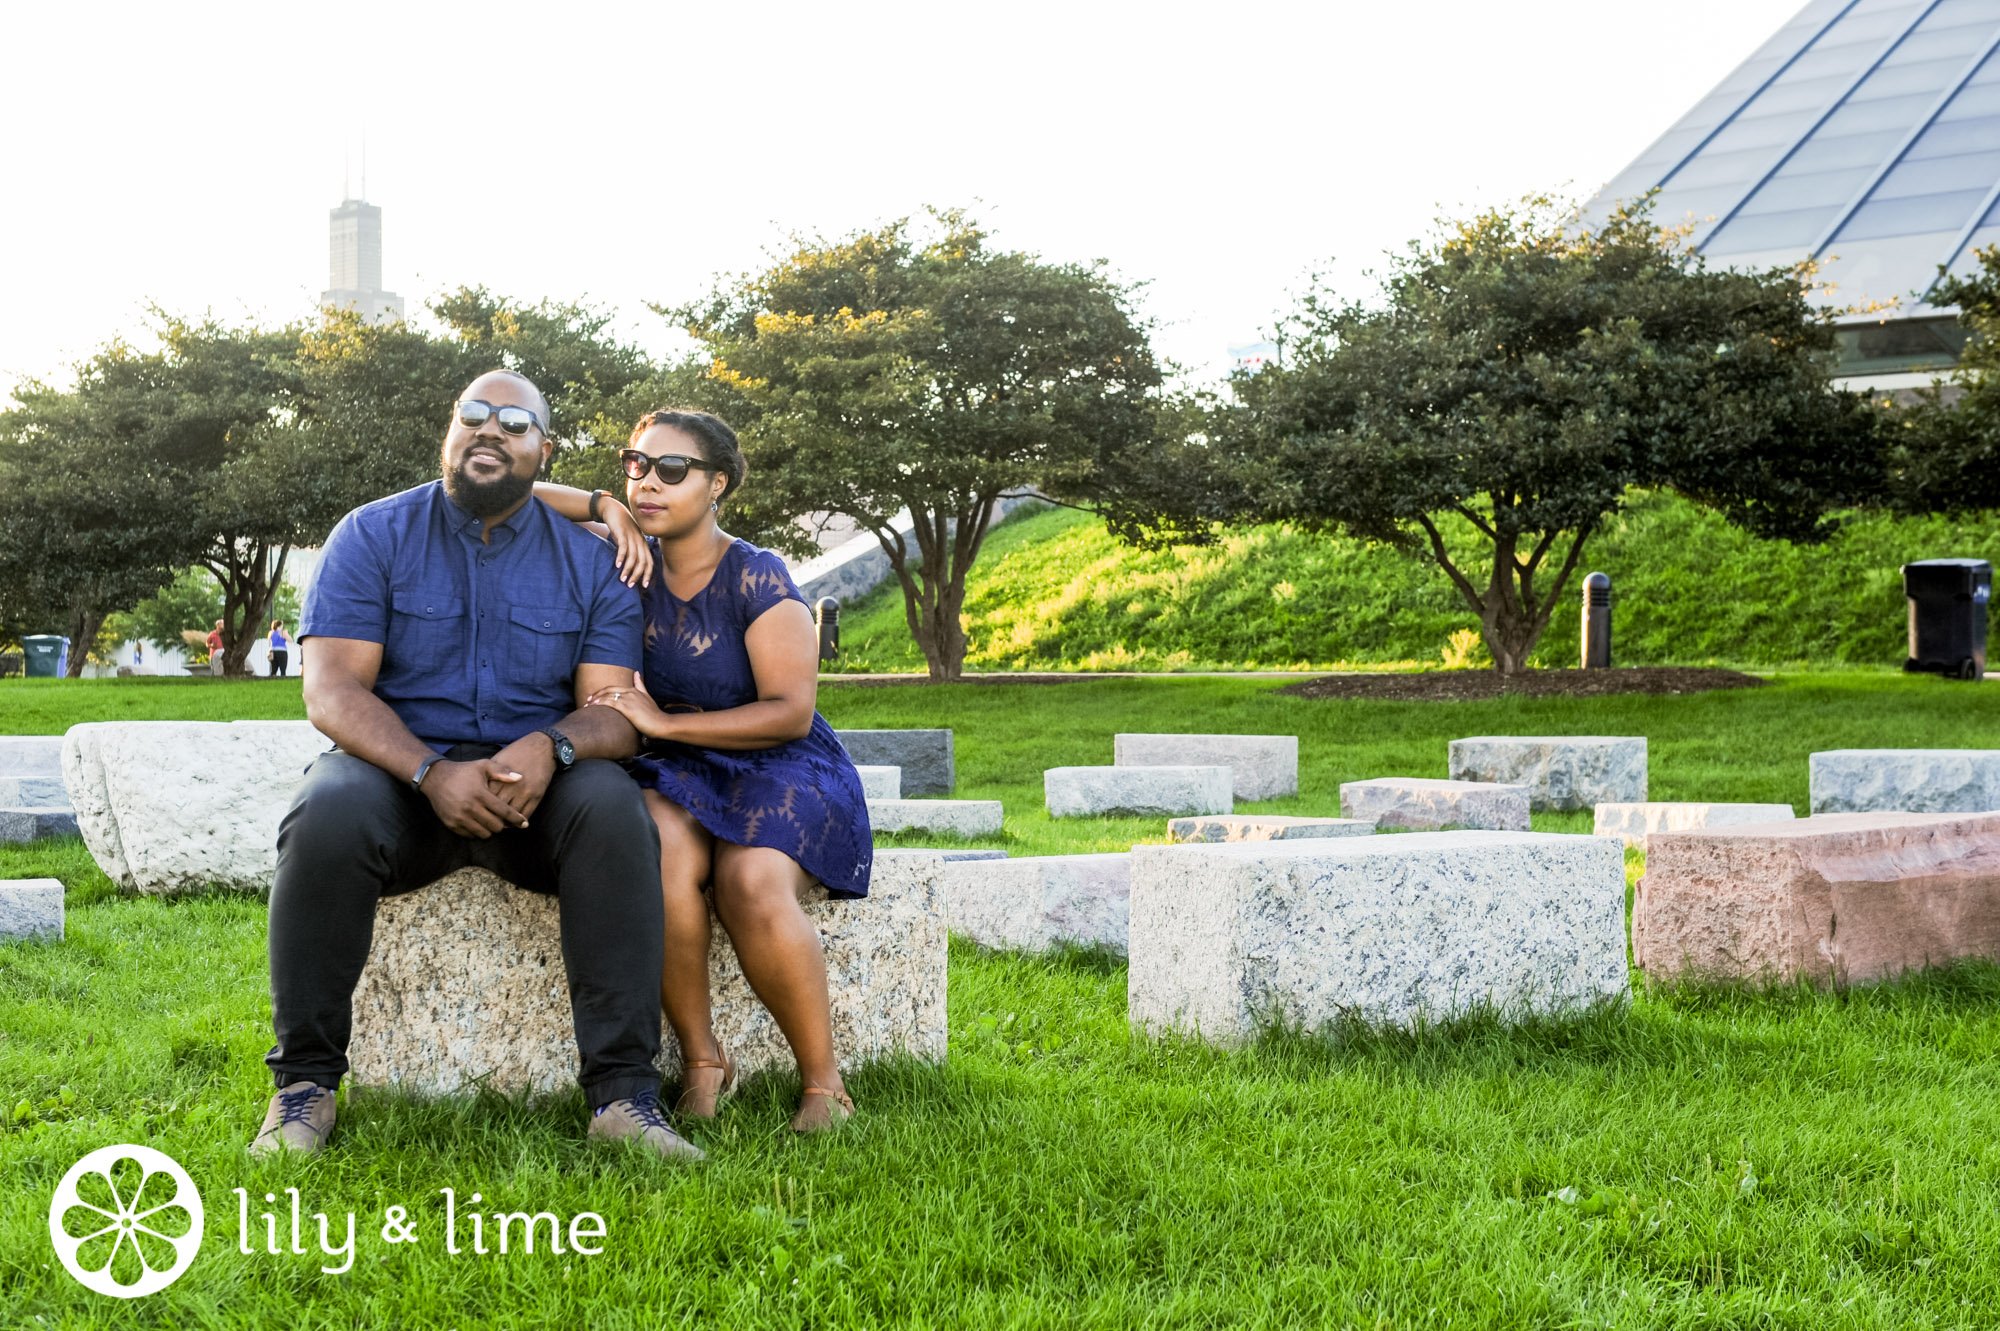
714, 506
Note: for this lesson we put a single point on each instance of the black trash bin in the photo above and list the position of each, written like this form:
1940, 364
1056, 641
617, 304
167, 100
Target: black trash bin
48, 655
1948, 616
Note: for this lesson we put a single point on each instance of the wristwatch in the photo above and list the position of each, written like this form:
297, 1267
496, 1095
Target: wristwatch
597, 497
565, 751
424, 770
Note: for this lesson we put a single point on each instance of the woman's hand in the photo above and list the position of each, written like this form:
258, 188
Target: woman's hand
634, 558
637, 706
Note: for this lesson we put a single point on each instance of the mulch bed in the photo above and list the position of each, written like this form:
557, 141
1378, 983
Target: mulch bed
1468, 685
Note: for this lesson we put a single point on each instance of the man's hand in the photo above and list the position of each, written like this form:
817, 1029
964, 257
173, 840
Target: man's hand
466, 799
532, 761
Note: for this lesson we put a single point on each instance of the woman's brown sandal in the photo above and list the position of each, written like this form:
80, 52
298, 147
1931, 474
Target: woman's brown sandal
701, 1103
839, 1109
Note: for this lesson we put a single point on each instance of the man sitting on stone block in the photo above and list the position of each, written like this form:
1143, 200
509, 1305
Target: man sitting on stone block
456, 630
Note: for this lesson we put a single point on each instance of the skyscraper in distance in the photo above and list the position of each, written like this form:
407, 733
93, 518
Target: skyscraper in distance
354, 266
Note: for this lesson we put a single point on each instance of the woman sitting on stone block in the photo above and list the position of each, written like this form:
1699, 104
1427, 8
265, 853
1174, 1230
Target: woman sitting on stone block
752, 794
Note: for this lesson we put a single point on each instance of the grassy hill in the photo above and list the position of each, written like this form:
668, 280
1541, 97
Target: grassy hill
1054, 591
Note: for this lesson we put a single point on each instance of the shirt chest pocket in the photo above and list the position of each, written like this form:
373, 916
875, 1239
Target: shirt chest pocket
426, 628
547, 638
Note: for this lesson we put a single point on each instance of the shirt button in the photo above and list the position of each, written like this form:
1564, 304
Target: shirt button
428, 610
545, 623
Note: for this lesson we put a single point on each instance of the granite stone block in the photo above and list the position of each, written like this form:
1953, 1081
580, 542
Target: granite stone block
954, 818
1264, 827
880, 783
1836, 899
176, 806
1563, 772
1262, 767
1905, 781
33, 792
924, 755
466, 984
1427, 804
1634, 823
31, 755
1035, 903
18, 825
1086, 792
1393, 930
31, 909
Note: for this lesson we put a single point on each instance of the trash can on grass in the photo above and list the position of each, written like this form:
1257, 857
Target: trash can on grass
48, 655
1948, 616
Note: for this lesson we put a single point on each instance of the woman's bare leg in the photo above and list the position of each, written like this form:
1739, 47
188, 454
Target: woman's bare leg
686, 856
756, 894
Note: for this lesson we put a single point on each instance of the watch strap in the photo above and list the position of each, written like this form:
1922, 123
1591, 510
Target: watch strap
424, 770
597, 498
563, 744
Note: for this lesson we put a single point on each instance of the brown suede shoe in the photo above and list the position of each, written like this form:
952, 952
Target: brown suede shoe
639, 1120
300, 1118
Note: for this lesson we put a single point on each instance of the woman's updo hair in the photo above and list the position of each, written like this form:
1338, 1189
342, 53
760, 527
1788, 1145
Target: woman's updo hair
718, 441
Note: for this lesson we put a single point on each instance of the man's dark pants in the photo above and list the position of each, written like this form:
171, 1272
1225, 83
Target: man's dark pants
355, 834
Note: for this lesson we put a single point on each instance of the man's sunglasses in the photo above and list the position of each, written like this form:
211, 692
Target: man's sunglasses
472, 413
672, 467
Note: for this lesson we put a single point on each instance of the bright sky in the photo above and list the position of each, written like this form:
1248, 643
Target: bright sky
186, 155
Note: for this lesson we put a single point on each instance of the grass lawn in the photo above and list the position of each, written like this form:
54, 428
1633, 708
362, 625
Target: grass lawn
1052, 590
1703, 1158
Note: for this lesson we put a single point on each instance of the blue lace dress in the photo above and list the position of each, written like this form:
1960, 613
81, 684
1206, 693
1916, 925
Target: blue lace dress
803, 796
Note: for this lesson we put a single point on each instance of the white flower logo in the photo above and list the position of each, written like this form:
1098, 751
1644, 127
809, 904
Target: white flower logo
115, 1227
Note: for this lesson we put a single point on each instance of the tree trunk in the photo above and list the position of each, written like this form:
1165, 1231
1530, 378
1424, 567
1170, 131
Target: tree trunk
83, 627
249, 572
934, 591
1509, 639
943, 636
1512, 614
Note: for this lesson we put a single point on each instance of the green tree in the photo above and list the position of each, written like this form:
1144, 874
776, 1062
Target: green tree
229, 447
224, 447
87, 525
193, 600
918, 368
372, 406
1523, 372
1944, 451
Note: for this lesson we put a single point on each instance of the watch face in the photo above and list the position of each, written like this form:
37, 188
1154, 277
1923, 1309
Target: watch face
565, 751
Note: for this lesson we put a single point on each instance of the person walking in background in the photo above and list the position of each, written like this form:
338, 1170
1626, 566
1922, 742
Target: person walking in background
281, 649
215, 649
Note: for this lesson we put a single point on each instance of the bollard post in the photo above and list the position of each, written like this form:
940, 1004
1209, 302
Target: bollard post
1596, 636
826, 614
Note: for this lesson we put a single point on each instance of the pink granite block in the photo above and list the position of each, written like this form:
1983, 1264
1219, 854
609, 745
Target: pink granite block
1838, 898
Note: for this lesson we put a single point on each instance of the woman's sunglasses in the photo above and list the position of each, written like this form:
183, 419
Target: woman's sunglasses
472, 413
671, 467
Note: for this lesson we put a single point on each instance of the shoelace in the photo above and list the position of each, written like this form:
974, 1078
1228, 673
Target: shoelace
293, 1106
646, 1109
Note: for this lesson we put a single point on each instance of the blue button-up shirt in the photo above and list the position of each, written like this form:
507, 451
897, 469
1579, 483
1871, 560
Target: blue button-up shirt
480, 642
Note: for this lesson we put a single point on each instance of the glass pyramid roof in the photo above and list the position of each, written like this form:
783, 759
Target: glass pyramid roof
1865, 133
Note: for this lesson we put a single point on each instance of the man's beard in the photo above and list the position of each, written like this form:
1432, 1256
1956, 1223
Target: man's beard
486, 499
